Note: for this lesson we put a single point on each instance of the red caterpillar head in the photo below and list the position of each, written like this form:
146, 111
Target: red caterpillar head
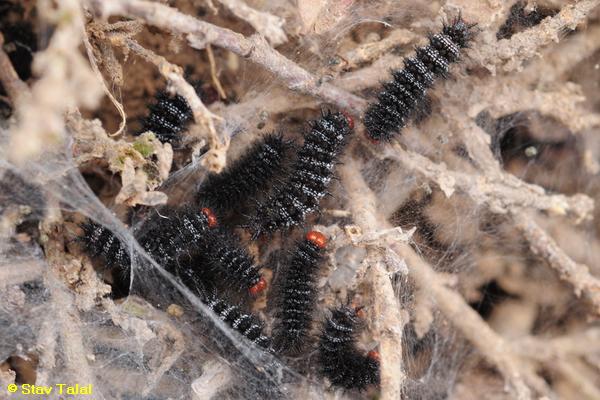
211, 217
349, 119
258, 287
317, 238
374, 355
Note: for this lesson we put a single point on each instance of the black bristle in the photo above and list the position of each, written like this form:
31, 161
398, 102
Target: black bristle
166, 237
100, 241
339, 359
168, 117
403, 98
297, 297
172, 233
309, 177
224, 255
246, 177
247, 325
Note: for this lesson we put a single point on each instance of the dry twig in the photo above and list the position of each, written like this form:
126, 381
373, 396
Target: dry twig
500, 193
254, 48
215, 158
389, 319
268, 25
578, 275
510, 54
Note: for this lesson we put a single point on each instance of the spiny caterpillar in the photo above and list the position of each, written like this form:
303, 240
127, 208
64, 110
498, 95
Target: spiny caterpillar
246, 177
173, 232
298, 295
223, 254
339, 359
164, 236
168, 117
310, 175
404, 96
99, 241
247, 325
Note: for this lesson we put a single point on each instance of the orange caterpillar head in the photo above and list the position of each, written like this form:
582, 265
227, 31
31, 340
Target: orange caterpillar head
317, 238
211, 217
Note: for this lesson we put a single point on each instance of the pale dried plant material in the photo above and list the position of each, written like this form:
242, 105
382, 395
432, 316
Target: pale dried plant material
255, 48
509, 55
319, 16
98, 32
501, 194
140, 174
268, 25
63, 72
389, 320
206, 121
576, 274
478, 236
374, 50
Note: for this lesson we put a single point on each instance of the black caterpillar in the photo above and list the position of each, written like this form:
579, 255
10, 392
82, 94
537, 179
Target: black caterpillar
311, 173
247, 325
246, 177
168, 117
339, 359
405, 96
224, 255
99, 241
298, 295
175, 233
519, 19
162, 241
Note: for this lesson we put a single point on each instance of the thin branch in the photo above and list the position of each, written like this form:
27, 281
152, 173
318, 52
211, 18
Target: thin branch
578, 275
255, 48
493, 347
499, 193
551, 349
213, 72
390, 321
373, 50
215, 159
268, 25
510, 54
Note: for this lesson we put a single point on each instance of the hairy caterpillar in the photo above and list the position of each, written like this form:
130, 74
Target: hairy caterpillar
519, 18
247, 325
168, 117
309, 177
298, 295
223, 254
339, 359
246, 177
404, 96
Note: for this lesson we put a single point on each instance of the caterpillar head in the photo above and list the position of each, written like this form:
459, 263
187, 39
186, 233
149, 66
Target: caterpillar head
459, 31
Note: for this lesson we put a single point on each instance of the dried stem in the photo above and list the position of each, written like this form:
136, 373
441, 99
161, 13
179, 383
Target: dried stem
510, 54
500, 193
268, 25
578, 275
493, 347
254, 48
551, 349
389, 321
215, 158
